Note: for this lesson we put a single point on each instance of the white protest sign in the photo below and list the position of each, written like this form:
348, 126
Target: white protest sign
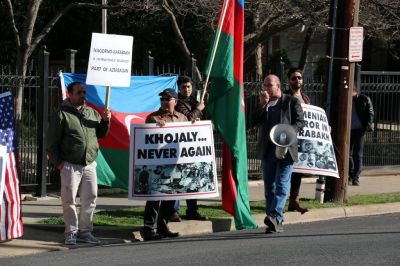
3, 159
316, 153
176, 161
110, 60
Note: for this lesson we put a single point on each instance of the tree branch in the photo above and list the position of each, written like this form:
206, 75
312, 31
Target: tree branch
263, 35
29, 24
178, 34
64, 11
14, 28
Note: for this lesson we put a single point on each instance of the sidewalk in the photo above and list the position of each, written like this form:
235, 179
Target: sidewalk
43, 238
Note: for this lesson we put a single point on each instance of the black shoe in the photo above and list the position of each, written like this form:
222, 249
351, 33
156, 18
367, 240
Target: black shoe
272, 225
355, 182
195, 215
174, 218
149, 234
167, 233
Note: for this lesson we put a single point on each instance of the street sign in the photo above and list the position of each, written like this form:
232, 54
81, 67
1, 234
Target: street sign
110, 60
356, 36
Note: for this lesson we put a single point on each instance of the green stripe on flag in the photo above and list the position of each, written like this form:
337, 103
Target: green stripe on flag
113, 168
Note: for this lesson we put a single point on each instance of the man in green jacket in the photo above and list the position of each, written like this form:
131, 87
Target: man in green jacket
72, 148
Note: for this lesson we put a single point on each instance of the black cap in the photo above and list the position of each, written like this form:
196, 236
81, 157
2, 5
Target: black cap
171, 93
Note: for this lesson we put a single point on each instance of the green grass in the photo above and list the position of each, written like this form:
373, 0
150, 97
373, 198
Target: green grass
131, 217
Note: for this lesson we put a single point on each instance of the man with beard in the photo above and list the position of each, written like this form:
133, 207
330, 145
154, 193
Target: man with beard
295, 78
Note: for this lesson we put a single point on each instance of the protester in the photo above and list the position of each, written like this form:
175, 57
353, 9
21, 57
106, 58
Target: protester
276, 108
72, 148
156, 213
295, 78
362, 119
192, 109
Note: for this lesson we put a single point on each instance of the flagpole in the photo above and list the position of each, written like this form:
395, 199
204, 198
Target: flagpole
104, 30
220, 24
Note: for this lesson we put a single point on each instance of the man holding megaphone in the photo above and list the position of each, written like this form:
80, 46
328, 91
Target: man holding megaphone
280, 117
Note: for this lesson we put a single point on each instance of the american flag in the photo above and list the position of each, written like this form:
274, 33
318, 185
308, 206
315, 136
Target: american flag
10, 212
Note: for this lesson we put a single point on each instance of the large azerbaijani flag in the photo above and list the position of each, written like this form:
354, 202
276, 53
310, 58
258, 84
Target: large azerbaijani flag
226, 108
128, 105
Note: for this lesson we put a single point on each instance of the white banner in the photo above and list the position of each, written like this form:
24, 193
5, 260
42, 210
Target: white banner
110, 60
176, 161
3, 159
316, 153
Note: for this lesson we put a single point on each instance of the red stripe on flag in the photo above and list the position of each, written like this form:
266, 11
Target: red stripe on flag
238, 44
12, 222
118, 137
229, 193
18, 231
228, 26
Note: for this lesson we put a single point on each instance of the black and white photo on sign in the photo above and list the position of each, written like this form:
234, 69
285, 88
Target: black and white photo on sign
176, 161
316, 155
174, 179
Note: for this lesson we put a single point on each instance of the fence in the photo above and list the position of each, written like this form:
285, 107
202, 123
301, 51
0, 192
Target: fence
382, 146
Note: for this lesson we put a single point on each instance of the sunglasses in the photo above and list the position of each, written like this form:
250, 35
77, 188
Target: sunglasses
165, 99
296, 77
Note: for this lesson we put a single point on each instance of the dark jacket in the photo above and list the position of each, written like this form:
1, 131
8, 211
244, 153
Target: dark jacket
365, 111
188, 107
72, 135
305, 97
291, 114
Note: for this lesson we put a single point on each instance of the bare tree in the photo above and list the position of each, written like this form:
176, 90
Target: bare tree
27, 36
380, 19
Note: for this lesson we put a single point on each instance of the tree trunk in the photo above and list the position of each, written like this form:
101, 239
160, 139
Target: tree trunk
306, 46
180, 39
258, 49
22, 66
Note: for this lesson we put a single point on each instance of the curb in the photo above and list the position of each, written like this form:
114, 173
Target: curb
224, 224
36, 241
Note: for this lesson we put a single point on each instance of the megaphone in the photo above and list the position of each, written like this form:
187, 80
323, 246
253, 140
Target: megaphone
282, 135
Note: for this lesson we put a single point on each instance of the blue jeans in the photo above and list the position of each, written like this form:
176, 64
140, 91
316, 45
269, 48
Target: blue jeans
276, 184
190, 204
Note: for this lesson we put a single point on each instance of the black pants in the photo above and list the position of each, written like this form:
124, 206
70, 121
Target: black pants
156, 213
357, 138
295, 184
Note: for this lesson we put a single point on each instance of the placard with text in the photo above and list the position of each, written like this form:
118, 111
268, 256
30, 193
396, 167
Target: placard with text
110, 60
175, 161
316, 153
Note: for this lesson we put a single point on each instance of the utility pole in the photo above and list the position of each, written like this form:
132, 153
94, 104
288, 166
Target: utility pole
339, 95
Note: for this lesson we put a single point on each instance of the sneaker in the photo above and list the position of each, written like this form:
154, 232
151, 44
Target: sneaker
195, 215
272, 225
70, 239
355, 182
87, 238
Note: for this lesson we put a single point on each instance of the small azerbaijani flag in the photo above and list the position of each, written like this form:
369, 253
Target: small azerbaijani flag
10, 212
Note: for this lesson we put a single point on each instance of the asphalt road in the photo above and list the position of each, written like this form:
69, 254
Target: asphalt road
373, 240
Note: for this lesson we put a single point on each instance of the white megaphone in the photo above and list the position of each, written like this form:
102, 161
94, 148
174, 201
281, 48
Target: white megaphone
282, 135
